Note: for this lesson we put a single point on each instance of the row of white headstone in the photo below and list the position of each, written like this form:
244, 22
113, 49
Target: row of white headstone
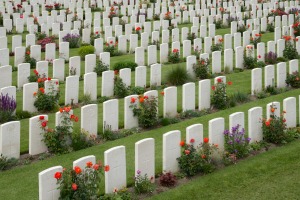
145, 149
269, 75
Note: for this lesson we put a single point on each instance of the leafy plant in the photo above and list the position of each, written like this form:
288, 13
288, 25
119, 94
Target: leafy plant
290, 52
100, 67
274, 129
80, 184
250, 62
125, 64
191, 36
28, 59
46, 40
46, 102
73, 39
270, 27
256, 39
8, 106
137, 90
58, 140
85, 50
168, 179
174, 56
271, 58
7, 163
82, 140
111, 48
122, 194
146, 110
40, 35
201, 68
177, 76
143, 183
120, 89
236, 142
293, 80
219, 97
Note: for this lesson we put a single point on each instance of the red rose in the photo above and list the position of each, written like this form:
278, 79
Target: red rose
106, 168
89, 164
42, 117
205, 140
203, 156
44, 123
219, 80
192, 140
77, 170
187, 152
132, 100
49, 79
229, 83
181, 143
96, 167
74, 186
213, 87
57, 175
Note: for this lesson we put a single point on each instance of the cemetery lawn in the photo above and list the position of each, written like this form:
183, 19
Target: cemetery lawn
22, 182
271, 175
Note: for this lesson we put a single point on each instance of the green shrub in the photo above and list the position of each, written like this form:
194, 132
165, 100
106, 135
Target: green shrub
81, 140
146, 111
219, 97
137, 90
201, 69
177, 76
100, 67
281, 59
167, 121
46, 102
293, 80
7, 163
120, 89
85, 50
23, 114
239, 97
143, 183
290, 52
274, 129
125, 64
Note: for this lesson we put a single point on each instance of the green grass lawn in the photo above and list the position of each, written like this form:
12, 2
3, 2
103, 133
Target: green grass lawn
22, 182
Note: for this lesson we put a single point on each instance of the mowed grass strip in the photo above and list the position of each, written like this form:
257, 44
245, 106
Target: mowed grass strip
22, 182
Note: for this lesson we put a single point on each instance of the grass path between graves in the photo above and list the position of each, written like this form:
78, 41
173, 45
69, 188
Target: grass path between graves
270, 175
22, 182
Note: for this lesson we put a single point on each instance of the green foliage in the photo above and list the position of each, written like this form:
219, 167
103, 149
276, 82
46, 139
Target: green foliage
290, 52
281, 59
249, 61
58, 140
100, 67
193, 113
86, 99
177, 76
293, 80
168, 179
270, 27
20, 114
111, 48
193, 161
40, 35
216, 47
7, 163
146, 110
239, 97
274, 128
122, 194
120, 89
85, 50
218, 23
260, 64
82, 140
137, 90
201, 69
143, 184
80, 183
125, 64
191, 36
46, 102
219, 97
167, 121
174, 56
235, 142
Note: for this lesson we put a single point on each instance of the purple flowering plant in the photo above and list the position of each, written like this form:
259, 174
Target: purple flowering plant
236, 142
73, 39
271, 58
7, 107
